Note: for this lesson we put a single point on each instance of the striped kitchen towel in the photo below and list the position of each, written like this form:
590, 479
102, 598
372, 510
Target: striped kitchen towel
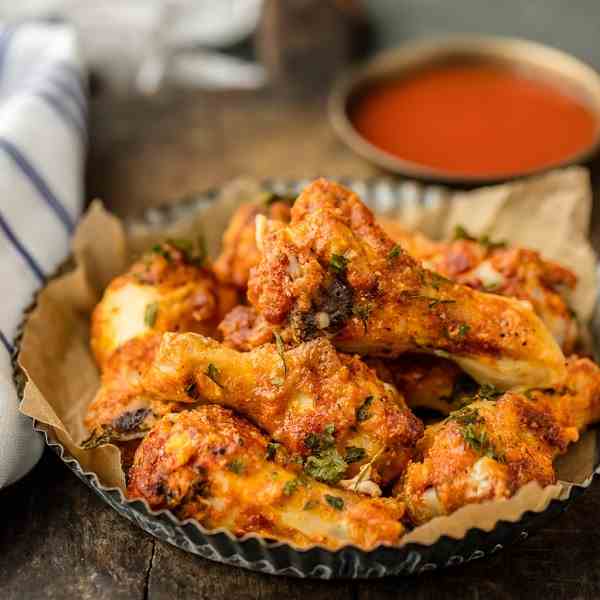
42, 148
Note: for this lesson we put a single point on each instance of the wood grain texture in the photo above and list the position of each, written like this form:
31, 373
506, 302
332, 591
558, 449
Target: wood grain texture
59, 541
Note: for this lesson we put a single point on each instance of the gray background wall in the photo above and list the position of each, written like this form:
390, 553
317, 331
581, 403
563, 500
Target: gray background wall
572, 25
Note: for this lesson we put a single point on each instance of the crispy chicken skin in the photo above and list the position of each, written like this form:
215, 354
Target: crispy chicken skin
489, 449
244, 329
212, 466
121, 410
494, 267
426, 381
317, 403
239, 251
333, 271
166, 290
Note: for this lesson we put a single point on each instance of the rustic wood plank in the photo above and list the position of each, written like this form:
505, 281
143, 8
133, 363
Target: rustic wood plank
560, 561
178, 574
59, 540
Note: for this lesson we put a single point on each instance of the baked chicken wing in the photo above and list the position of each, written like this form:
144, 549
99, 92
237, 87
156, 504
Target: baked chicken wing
334, 272
491, 266
327, 409
168, 289
121, 410
239, 252
213, 466
491, 448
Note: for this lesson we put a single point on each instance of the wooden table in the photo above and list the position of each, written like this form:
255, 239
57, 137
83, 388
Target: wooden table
58, 540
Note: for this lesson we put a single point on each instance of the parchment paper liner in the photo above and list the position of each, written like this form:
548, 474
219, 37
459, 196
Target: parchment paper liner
550, 213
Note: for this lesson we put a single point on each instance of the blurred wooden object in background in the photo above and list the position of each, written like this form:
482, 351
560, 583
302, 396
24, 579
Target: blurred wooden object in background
304, 44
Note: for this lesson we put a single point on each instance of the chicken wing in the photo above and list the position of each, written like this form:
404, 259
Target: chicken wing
121, 410
334, 272
244, 329
492, 266
212, 466
489, 449
427, 381
328, 409
168, 289
239, 252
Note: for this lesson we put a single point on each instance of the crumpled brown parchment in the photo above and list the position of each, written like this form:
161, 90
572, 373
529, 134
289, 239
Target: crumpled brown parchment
550, 213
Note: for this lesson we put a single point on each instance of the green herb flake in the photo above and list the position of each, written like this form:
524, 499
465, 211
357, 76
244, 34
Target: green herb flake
489, 392
161, 251
271, 450
436, 280
362, 412
394, 252
338, 263
280, 351
433, 302
213, 373
278, 381
290, 486
463, 329
236, 466
328, 466
460, 233
363, 312
310, 504
354, 454
150, 314
335, 502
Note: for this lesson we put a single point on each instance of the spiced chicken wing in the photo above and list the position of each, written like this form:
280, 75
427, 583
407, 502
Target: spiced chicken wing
491, 448
493, 266
213, 466
168, 289
327, 409
334, 272
239, 251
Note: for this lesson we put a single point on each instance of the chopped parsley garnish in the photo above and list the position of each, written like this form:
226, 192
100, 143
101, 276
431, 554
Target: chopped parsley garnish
460, 233
335, 502
436, 280
463, 329
321, 441
362, 412
325, 463
310, 504
193, 252
489, 392
290, 487
150, 314
213, 373
354, 454
280, 351
363, 312
278, 381
338, 263
394, 252
472, 428
236, 466
433, 302
476, 437
271, 450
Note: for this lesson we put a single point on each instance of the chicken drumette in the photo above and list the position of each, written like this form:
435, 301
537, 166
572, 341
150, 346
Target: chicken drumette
493, 266
491, 448
327, 409
213, 466
168, 289
239, 251
334, 272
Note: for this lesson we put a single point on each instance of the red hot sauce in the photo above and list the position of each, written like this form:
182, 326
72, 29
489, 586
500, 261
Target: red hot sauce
474, 120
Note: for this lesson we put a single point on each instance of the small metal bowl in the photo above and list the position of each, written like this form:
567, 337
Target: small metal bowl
541, 61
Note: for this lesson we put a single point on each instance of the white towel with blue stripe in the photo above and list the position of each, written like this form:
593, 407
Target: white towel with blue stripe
42, 148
